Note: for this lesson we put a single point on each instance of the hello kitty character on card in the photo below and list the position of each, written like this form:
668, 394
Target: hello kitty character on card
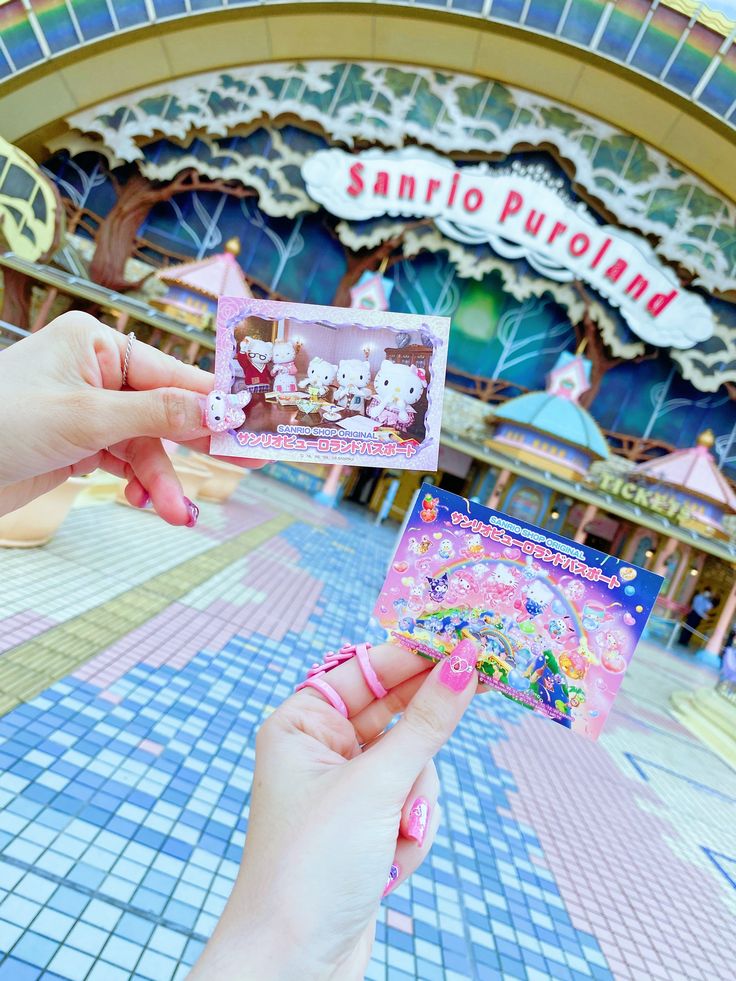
329, 385
397, 387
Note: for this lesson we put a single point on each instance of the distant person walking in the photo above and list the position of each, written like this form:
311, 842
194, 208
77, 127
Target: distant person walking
701, 606
727, 681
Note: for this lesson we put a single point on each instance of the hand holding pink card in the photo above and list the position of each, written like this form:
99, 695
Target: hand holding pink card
556, 622
315, 384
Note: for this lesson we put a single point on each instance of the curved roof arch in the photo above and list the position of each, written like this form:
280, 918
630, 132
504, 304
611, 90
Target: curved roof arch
560, 417
665, 71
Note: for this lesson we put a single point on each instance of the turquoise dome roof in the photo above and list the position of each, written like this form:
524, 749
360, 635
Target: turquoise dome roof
557, 416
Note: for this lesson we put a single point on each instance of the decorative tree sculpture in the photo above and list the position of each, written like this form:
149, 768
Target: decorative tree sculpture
116, 236
590, 339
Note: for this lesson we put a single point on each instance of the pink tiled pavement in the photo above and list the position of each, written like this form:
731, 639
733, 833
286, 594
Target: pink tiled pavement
175, 636
22, 626
636, 894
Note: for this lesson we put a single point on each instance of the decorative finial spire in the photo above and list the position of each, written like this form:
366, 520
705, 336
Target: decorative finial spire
233, 245
707, 438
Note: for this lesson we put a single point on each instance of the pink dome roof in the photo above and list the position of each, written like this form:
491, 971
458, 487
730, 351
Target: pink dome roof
217, 275
693, 470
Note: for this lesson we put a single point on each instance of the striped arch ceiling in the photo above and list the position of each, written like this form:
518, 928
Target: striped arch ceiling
683, 45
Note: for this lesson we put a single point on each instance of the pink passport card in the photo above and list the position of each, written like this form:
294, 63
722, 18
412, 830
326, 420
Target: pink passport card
312, 384
555, 622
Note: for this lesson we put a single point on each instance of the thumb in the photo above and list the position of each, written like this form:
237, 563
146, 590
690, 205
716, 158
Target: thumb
430, 717
166, 413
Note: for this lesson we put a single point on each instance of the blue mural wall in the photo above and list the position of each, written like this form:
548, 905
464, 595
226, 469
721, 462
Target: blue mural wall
493, 335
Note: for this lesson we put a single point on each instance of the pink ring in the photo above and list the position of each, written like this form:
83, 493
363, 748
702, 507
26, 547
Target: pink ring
327, 691
371, 678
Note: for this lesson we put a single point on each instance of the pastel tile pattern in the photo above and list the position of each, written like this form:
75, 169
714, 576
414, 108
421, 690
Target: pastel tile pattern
123, 784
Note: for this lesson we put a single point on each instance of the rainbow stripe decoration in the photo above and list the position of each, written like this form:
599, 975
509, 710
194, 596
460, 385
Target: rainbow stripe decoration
680, 42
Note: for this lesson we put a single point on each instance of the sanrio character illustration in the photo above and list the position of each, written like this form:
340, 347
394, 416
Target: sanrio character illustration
353, 380
559, 627
397, 387
500, 585
473, 547
537, 598
461, 584
552, 692
611, 644
531, 570
254, 357
573, 664
416, 597
445, 549
594, 615
283, 368
419, 547
225, 412
574, 590
320, 375
613, 661
438, 587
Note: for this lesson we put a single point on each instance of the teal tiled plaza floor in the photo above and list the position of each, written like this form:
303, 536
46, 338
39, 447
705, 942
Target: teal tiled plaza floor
124, 784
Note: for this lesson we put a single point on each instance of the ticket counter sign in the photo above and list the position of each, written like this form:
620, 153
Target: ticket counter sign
667, 503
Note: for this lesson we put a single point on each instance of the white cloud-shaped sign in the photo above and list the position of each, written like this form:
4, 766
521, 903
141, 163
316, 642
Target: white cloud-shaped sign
518, 216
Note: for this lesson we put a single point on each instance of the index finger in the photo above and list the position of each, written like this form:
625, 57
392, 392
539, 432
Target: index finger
150, 368
393, 665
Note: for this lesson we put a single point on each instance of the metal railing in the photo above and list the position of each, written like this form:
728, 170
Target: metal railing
664, 628
9, 333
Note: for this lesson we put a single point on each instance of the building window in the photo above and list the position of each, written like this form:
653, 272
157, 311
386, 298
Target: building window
525, 504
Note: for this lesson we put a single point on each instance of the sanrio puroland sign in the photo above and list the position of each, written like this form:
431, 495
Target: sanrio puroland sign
519, 217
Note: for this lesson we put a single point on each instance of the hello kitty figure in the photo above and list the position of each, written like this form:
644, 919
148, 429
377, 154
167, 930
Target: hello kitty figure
320, 375
473, 547
398, 387
537, 598
353, 379
225, 412
500, 585
283, 368
238, 376
254, 357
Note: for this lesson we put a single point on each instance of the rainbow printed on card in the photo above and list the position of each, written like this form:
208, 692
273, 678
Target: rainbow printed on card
555, 622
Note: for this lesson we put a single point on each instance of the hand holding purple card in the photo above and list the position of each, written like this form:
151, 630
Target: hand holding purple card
557, 622
312, 384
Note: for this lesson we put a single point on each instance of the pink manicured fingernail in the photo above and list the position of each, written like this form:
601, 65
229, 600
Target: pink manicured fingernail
418, 818
391, 881
203, 411
145, 503
458, 669
193, 512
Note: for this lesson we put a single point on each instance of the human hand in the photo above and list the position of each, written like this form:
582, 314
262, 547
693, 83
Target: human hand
64, 415
336, 804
